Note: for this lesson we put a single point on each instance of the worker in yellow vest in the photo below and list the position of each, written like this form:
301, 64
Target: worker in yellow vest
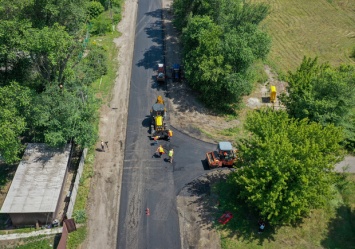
171, 155
160, 150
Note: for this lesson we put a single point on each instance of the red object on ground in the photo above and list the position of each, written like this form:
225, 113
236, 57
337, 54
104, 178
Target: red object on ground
147, 212
225, 218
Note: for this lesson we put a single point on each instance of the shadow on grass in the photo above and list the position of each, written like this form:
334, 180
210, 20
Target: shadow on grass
341, 229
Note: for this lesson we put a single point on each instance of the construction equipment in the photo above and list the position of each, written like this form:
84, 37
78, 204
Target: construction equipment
225, 155
161, 73
157, 115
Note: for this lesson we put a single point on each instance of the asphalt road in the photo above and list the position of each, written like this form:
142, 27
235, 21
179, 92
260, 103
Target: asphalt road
150, 182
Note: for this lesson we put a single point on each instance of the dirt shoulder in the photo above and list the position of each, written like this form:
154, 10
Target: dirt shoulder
104, 199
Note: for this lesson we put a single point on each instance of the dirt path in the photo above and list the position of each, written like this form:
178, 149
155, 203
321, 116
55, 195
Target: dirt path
104, 198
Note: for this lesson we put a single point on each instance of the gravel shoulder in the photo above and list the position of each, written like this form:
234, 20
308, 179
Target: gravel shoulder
104, 196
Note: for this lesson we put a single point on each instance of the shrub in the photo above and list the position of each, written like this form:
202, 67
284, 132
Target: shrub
101, 25
94, 9
80, 216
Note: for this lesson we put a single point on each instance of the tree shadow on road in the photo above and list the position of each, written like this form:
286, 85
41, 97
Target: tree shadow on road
155, 54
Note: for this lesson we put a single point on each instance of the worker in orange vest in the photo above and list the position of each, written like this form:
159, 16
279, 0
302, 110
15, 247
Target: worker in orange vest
170, 134
160, 150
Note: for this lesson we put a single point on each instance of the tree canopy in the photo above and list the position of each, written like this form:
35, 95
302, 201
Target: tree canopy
323, 94
44, 79
15, 103
221, 41
285, 167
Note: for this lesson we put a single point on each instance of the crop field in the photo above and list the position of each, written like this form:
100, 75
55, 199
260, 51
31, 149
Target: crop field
322, 28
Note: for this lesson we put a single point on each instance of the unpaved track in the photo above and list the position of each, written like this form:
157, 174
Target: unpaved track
105, 187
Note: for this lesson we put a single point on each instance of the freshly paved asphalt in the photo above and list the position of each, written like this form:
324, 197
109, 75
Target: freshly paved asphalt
150, 182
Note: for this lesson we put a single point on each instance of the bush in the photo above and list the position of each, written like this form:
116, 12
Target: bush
101, 25
93, 65
94, 9
80, 216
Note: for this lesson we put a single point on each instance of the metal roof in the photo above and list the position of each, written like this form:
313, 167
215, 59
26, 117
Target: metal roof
38, 180
225, 146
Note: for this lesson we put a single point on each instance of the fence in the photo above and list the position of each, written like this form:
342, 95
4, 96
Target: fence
75, 188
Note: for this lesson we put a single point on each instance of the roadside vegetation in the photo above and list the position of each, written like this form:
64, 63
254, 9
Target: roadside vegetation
57, 66
48, 64
221, 42
285, 172
327, 227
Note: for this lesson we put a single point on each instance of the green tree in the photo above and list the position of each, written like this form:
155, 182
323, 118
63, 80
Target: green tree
322, 94
50, 49
286, 166
62, 114
94, 9
15, 101
12, 52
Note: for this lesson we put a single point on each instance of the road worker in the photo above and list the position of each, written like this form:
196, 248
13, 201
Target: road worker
160, 150
156, 138
170, 134
171, 155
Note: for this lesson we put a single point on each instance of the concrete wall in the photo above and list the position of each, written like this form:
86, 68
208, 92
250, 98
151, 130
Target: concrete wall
20, 219
75, 188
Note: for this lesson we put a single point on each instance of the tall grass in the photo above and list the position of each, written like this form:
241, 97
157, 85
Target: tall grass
310, 28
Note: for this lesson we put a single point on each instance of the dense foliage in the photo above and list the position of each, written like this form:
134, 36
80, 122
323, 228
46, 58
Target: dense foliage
221, 41
286, 165
46, 68
323, 94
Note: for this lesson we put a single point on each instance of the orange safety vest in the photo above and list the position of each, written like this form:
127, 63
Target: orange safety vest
170, 133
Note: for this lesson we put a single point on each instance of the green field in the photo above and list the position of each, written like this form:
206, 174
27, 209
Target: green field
322, 28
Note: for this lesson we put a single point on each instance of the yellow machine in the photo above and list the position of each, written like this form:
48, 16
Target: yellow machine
157, 115
272, 94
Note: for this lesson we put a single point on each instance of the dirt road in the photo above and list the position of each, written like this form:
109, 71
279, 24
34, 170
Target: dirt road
104, 198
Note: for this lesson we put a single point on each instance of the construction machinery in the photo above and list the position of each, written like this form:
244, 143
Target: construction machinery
225, 155
161, 73
157, 114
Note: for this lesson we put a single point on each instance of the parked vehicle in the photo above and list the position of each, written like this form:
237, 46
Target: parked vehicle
161, 73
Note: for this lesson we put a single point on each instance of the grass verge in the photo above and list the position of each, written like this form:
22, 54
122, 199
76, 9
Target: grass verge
104, 85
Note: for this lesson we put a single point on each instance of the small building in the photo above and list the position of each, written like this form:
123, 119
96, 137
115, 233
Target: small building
36, 189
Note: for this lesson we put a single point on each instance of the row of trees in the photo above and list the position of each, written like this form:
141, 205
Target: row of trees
44, 79
221, 41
